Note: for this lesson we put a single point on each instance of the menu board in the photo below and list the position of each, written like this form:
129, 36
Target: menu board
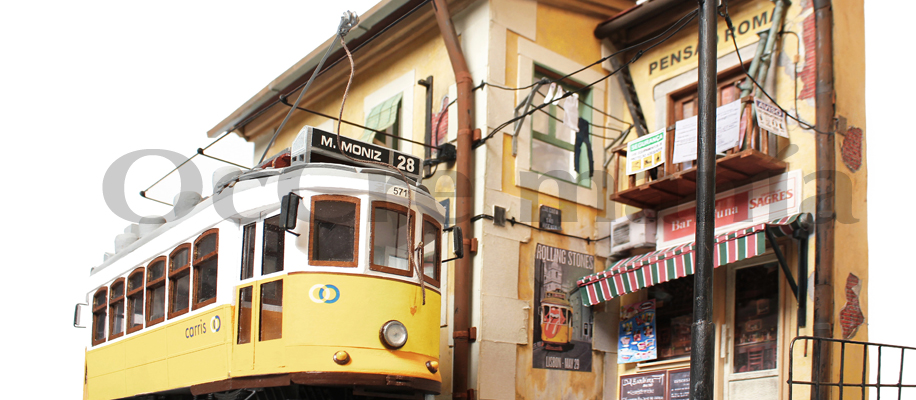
645, 386
679, 384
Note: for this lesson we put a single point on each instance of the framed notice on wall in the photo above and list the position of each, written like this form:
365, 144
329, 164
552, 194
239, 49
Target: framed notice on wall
645, 386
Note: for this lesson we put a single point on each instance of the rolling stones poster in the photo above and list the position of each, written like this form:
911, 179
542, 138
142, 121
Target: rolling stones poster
637, 333
562, 324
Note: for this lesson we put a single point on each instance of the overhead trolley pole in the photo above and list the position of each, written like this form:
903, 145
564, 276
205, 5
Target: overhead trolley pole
703, 333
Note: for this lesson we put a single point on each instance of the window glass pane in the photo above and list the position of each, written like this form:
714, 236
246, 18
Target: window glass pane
156, 271
688, 108
551, 160
179, 259
389, 239
156, 303
117, 289
180, 297
117, 318
206, 245
540, 122
206, 280
431, 237
756, 318
335, 231
248, 251
98, 325
674, 316
272, 260
135, 310
100, 299
563, 132
245, 315
135, 281
271, 321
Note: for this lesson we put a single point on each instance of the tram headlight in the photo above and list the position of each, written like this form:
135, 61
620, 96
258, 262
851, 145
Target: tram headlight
393, 334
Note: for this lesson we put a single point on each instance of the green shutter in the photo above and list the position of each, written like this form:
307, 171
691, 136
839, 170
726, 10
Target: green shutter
382, 117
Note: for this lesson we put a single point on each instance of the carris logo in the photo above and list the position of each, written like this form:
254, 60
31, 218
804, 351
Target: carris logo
327, 294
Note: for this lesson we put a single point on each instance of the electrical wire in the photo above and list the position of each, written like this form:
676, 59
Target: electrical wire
591, 134
683, 23
513, 222
590, 124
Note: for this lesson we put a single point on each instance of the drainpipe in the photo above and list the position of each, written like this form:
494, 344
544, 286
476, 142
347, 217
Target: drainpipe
825, 209
463, 203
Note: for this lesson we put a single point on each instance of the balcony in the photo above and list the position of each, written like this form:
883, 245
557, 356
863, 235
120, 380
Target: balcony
753, 159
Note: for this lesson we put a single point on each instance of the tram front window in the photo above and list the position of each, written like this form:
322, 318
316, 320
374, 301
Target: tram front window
389, 239
334, 232
431, 255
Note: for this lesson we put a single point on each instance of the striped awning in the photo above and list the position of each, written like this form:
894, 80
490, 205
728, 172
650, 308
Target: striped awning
637, 272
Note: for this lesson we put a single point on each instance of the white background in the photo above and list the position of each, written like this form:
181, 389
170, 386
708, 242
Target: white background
83, 83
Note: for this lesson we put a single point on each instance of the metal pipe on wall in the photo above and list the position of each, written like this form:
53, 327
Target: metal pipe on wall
463, 202
703, 333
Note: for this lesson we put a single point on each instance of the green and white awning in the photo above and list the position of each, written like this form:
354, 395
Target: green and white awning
638, 272
382, 117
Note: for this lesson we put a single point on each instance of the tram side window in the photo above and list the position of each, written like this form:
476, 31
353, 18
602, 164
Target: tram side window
179, 280
135, 300
116, 310
334, 233
271, 312
206, 250
248, 237
99, 305
244, 315
272, 259
389, 238
155, 292
432, 256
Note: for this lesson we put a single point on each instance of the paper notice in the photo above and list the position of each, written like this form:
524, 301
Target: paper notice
728, 120
771, 118
685, 140
646, 152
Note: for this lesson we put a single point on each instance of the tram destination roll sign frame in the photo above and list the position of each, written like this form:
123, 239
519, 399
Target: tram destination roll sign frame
312, 140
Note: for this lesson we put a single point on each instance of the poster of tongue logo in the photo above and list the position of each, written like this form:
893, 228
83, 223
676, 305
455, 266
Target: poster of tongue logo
637, 333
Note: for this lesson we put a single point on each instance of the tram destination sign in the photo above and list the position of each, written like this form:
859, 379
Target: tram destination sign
325, 143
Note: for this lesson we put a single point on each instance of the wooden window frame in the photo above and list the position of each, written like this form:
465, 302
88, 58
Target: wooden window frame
95, 310
282, 256
313, 231
163, 281
175, 275
438, 259
199, 259
248, 252
677, 98
111, 303
130, 293
411, 219
550, 137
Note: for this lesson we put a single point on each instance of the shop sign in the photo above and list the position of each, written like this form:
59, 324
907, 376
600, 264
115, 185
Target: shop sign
636, 341
562, 323
771, 118
759, 202
646, 152
645, 386
679, 384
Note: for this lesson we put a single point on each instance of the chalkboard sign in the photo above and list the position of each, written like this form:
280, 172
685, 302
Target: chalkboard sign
646, 386
679, 384
550, 218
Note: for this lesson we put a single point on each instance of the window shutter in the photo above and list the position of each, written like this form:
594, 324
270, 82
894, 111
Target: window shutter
382, 117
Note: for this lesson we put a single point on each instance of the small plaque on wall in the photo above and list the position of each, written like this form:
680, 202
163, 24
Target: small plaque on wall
550, 218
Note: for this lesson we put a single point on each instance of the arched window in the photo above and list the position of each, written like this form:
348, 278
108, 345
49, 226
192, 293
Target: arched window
432, 250
135, 300
116, 310
205, 268
334, 232
180, 280
99, 305
388, 251
155, 291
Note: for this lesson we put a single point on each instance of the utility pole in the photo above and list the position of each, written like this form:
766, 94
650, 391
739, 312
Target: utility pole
703, 334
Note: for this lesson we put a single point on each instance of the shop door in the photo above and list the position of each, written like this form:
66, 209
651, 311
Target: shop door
243, 345
753, 313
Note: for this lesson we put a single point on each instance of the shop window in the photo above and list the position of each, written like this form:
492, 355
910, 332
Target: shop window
99, 305
432, 235
756, 318
272, 255
206, 250
553, 144
271, 311
389, 238
155, 291
334, 233
135, 300
180, 280
384, 117
244, 334
248, 241
116, 310
673, 316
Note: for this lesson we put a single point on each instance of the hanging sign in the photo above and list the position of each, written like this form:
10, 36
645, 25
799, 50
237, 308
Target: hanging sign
562, 323
550, 218
646, 152
637, 333
679, 384
645, 386
770, 118
728, 121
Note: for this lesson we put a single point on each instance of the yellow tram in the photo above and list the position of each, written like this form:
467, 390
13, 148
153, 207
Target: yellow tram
556, 320
238, 297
